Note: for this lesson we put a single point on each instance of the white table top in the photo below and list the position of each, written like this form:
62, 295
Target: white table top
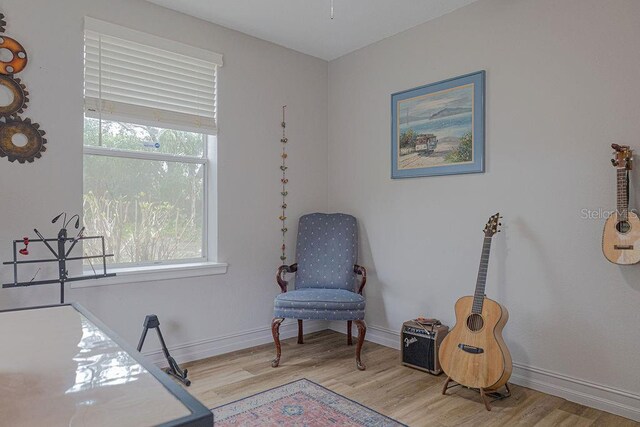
57, 368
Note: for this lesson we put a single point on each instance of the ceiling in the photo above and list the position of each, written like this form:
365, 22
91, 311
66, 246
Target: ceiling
306, 26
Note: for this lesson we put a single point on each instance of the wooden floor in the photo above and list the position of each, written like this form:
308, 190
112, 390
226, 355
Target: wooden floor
410, 396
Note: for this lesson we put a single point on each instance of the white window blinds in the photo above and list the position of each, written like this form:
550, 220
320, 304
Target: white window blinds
137, 77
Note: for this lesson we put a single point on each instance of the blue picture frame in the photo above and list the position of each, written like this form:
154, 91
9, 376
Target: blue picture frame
439, 128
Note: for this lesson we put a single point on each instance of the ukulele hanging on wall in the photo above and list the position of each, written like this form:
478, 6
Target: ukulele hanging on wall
621, 236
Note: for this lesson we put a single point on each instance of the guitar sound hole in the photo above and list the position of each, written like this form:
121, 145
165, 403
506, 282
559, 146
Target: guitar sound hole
475, 322
623, 227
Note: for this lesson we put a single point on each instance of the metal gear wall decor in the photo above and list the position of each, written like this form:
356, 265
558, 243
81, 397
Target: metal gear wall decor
34, 135
18, 92
11, 124
284, 181
18, 56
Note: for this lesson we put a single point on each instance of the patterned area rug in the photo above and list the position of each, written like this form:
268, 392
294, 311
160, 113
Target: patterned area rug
297, 404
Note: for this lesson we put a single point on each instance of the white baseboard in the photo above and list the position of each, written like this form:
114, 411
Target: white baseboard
202, 349
376, 334
586, 393
605, 398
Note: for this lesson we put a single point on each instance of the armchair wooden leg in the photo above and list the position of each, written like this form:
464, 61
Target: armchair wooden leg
349, 337
300, 332
275, 330
362, 331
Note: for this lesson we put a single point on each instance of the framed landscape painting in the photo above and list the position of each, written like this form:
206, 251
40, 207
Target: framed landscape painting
438, 129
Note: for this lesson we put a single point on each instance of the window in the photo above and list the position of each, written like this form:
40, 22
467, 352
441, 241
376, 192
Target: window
149, 145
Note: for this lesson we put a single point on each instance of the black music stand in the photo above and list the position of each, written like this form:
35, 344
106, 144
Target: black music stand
61, 256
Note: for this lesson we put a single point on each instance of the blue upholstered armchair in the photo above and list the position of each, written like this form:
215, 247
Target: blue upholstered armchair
326, 288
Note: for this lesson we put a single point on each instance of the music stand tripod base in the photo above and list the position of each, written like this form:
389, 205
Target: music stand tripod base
152, 322
485, 394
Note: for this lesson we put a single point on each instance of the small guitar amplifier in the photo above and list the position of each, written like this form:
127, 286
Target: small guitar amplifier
420, 343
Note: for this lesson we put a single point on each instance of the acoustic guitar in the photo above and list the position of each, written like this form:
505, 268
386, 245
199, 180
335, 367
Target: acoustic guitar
474, 354
621, 235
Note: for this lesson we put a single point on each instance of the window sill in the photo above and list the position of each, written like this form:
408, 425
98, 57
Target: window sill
151, 274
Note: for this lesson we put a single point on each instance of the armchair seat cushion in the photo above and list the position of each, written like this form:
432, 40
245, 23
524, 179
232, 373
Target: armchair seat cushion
322, 304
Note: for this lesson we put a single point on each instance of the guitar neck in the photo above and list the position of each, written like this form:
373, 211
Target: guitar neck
478, 297
623, 194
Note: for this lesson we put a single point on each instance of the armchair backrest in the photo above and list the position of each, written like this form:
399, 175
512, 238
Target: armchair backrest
326, 251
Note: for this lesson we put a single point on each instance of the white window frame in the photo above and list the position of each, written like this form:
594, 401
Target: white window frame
207, 264
144, 155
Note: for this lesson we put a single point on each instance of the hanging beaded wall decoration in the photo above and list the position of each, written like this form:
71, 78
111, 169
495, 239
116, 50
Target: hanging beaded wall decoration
20, 139
284, 181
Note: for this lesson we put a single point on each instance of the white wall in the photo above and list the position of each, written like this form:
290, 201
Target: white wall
562, 84
257, 79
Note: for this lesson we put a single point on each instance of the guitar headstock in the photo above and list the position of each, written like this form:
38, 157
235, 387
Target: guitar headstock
492, 225
622, 157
